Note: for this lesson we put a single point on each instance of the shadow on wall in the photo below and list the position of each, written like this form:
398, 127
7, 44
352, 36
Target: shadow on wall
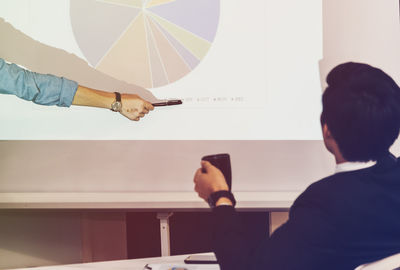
18, 48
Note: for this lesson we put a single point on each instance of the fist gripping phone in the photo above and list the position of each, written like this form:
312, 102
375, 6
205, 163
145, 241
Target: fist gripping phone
222, 162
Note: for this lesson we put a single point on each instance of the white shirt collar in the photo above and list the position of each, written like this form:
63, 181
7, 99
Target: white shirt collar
353, 166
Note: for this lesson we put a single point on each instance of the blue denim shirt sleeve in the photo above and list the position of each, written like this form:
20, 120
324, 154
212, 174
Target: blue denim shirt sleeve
39, 88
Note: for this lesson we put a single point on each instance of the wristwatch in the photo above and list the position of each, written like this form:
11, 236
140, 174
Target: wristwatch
214, 197
116, 106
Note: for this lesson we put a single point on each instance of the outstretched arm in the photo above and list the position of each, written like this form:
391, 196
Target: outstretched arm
45, 89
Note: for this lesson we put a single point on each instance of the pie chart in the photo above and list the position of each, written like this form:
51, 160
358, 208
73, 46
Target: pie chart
150, 43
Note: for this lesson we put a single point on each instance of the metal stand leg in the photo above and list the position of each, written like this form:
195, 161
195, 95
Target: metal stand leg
164, 229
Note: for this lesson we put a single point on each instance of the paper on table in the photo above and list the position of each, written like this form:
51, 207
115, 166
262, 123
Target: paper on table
183, 267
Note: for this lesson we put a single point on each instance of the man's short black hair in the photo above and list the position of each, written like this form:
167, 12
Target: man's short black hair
361, 107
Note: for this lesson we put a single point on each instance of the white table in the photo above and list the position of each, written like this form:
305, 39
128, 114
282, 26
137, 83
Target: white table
137, 264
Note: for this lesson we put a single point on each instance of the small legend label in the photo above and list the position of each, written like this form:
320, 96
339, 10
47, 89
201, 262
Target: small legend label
214, 100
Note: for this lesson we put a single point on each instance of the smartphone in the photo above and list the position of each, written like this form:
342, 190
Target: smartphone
222, 162
201, 259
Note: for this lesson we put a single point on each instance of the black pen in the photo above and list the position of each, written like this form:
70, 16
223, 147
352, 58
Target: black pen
168, 103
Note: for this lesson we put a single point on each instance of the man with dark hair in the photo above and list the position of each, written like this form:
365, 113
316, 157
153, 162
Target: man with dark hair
344, 220
361, 109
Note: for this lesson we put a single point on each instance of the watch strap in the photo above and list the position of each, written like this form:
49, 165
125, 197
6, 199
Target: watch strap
117, 104
214, 197
117, 96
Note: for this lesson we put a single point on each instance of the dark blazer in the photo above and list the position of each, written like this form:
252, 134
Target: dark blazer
339, 222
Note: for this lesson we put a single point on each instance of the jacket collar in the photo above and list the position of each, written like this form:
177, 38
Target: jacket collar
385, 163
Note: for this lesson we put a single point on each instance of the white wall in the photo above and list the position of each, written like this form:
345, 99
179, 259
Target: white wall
365, 31
157, 166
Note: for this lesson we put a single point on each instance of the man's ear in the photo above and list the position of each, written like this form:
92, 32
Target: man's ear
326, 133
331, 144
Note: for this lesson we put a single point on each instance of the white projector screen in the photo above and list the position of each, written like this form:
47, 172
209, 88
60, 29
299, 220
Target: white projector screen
247, 70
257, 77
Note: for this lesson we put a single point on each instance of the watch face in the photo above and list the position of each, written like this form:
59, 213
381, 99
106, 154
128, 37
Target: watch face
116, 106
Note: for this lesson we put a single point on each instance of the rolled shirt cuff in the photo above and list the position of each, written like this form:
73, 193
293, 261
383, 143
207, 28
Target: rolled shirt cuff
68, 91
53, 90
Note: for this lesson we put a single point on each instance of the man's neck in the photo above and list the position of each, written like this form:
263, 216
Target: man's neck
339, 158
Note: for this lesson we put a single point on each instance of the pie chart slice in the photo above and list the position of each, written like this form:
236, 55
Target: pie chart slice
198, 16
128, 3
92, 28
150, 43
